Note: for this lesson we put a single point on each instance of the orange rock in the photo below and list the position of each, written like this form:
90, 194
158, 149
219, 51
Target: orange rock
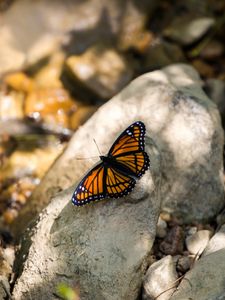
53, 105
19, 82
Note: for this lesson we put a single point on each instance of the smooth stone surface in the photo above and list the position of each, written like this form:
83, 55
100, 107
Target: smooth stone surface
159, 279
216, 243
103, 248
177, 113
188, 29
205, 281
197, 242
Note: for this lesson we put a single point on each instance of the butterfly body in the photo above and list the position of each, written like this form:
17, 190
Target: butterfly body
116, 173
111, 162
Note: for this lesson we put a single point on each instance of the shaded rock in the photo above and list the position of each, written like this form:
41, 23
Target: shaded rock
215, 89
197, 242
212, 50
159, 279
173, 242
216, 243
186, 30
161, 54
101, 71
57, 21
106, 256
49, 75
204, 69
184, 264
132, 33
205, 280
165, 100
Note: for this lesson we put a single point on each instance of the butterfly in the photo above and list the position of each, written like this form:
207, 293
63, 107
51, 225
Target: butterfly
116, 174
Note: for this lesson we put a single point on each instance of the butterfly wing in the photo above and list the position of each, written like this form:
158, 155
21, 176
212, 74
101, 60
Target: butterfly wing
91, 187
117, 184
128, 149
130, 140
137, 162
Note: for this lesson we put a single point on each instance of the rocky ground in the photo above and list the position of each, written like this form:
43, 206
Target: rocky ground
71, 71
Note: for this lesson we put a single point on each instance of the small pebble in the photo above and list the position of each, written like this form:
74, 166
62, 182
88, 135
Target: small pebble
197, 242
161, 229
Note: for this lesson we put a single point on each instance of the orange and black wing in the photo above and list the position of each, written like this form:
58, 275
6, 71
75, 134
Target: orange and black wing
128, 150
136, 163
131, 139
118, 184
91, 187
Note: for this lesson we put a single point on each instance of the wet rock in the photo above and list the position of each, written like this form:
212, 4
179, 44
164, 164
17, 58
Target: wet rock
111, 250
186, 30
205, 280
216, 243
159, 279
215, 89
101, 71
52, 105
197, 242
161, 54
161, 229
11, 106
165, 100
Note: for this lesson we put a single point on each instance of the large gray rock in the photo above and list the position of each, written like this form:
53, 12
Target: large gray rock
185, 126
205, 281
102, 248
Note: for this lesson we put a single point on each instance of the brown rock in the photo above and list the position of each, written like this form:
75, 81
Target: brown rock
101, 71
53, 105
203, 68
173, 242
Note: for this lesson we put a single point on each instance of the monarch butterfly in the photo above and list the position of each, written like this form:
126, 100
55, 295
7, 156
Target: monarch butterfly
116, 174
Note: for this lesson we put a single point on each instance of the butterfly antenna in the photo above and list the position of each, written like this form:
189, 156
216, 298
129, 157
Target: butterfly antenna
84, 158
97, 146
